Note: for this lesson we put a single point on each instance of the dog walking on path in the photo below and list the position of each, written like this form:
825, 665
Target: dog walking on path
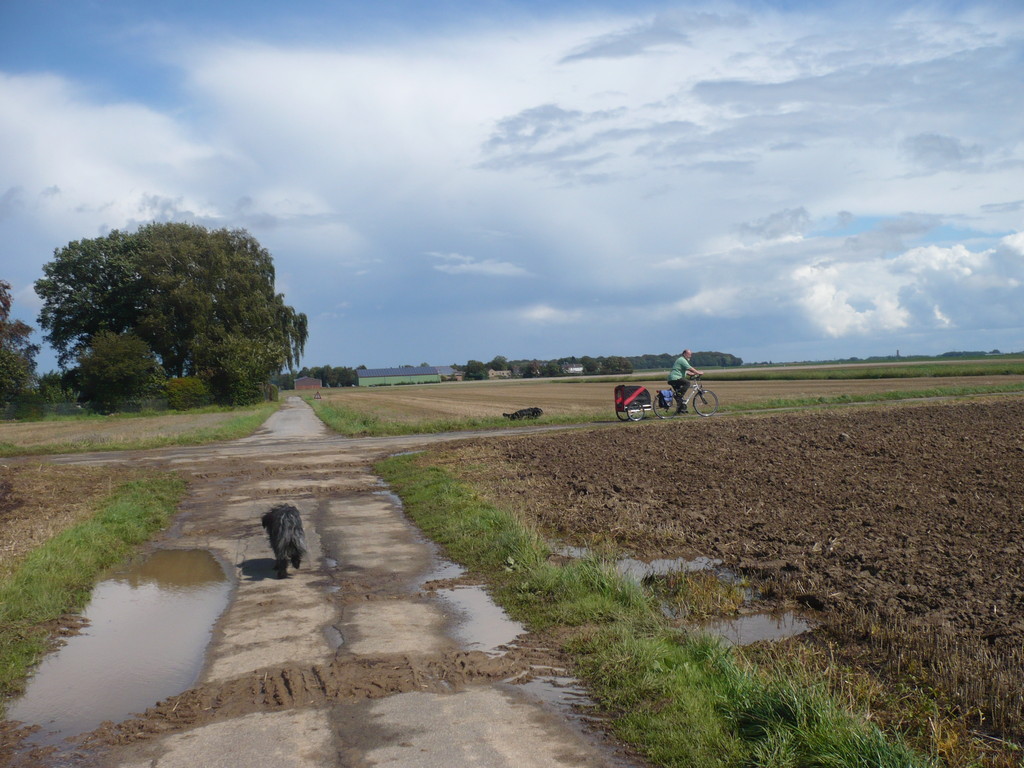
287, 539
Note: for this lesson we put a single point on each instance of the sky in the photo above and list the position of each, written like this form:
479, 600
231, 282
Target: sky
450, 180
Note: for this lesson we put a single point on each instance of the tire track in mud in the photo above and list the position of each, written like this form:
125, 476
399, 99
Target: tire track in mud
341, 680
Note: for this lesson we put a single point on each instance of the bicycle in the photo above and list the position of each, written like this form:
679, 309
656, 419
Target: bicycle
704, 401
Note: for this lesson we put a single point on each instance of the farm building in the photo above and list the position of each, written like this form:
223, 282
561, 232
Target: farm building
447, 373
307, 382
376, 377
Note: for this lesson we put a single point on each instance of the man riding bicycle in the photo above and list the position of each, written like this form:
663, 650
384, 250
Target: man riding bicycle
678, 378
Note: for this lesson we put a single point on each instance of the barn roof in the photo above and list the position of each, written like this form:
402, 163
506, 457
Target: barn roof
372, 373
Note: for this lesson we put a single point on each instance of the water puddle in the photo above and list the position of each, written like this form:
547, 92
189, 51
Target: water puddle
481, 625
566, 697
737, 630
638, 570
149, 626
744, 630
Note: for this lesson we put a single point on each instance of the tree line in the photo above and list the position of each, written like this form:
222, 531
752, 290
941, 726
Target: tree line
476, 370
172, 310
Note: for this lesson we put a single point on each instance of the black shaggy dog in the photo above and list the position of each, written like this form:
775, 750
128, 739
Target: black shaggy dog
287, 539
524, 413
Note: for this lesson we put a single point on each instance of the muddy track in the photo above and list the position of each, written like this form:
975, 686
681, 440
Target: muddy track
361, 656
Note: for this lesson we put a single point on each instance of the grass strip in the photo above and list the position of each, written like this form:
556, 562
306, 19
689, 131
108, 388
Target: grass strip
354, 422
244, 422
58, 577
681, 699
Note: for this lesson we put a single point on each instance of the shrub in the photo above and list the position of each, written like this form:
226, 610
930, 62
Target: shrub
187, 392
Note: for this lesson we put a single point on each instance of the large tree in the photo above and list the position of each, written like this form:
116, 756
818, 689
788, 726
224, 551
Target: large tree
17, 353
203, 301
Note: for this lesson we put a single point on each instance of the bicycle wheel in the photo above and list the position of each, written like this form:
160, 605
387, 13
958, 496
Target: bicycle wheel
666, 411
704, 402
622, 415
634, 412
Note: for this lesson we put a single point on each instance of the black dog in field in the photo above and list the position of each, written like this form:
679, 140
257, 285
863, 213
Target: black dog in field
287, 539
524, 413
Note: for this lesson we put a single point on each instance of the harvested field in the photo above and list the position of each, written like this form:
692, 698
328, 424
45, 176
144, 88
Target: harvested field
480, 399
38, 501
899, 528
112, 430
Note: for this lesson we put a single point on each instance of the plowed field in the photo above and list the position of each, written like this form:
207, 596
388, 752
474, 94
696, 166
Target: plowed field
905, 517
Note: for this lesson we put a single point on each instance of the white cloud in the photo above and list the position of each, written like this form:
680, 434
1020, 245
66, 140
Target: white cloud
457, 264
771, 170
542, 313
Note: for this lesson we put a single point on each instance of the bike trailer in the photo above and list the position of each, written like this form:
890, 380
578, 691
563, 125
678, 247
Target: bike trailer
627, 396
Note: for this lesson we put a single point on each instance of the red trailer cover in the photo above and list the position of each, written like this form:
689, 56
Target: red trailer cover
630, 395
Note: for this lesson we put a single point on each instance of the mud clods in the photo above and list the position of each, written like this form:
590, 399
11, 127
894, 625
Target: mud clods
343, 679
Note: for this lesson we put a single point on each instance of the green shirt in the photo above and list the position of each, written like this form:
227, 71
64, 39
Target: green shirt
682, 365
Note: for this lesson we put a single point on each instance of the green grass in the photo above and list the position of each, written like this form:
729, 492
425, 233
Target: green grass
244, 422
358, 423
58, 577
682, 700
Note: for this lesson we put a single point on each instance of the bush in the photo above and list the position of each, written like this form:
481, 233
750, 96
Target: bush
187, 392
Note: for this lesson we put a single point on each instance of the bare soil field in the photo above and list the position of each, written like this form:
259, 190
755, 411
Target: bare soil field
477, 399
899, 529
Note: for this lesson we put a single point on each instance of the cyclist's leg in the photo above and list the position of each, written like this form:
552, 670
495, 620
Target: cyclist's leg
679, 387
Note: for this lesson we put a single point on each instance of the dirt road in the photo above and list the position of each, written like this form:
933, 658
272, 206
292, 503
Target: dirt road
373, 654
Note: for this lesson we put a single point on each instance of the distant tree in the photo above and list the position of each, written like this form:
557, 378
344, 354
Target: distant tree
55, 387
530, 369
551, 368
17, 353
499, 363
615, 365
346, 377
475, 371
590, 365
191, 294
715, 360
118, 367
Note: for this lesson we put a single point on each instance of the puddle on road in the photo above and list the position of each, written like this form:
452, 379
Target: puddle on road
481, 625
149, 626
